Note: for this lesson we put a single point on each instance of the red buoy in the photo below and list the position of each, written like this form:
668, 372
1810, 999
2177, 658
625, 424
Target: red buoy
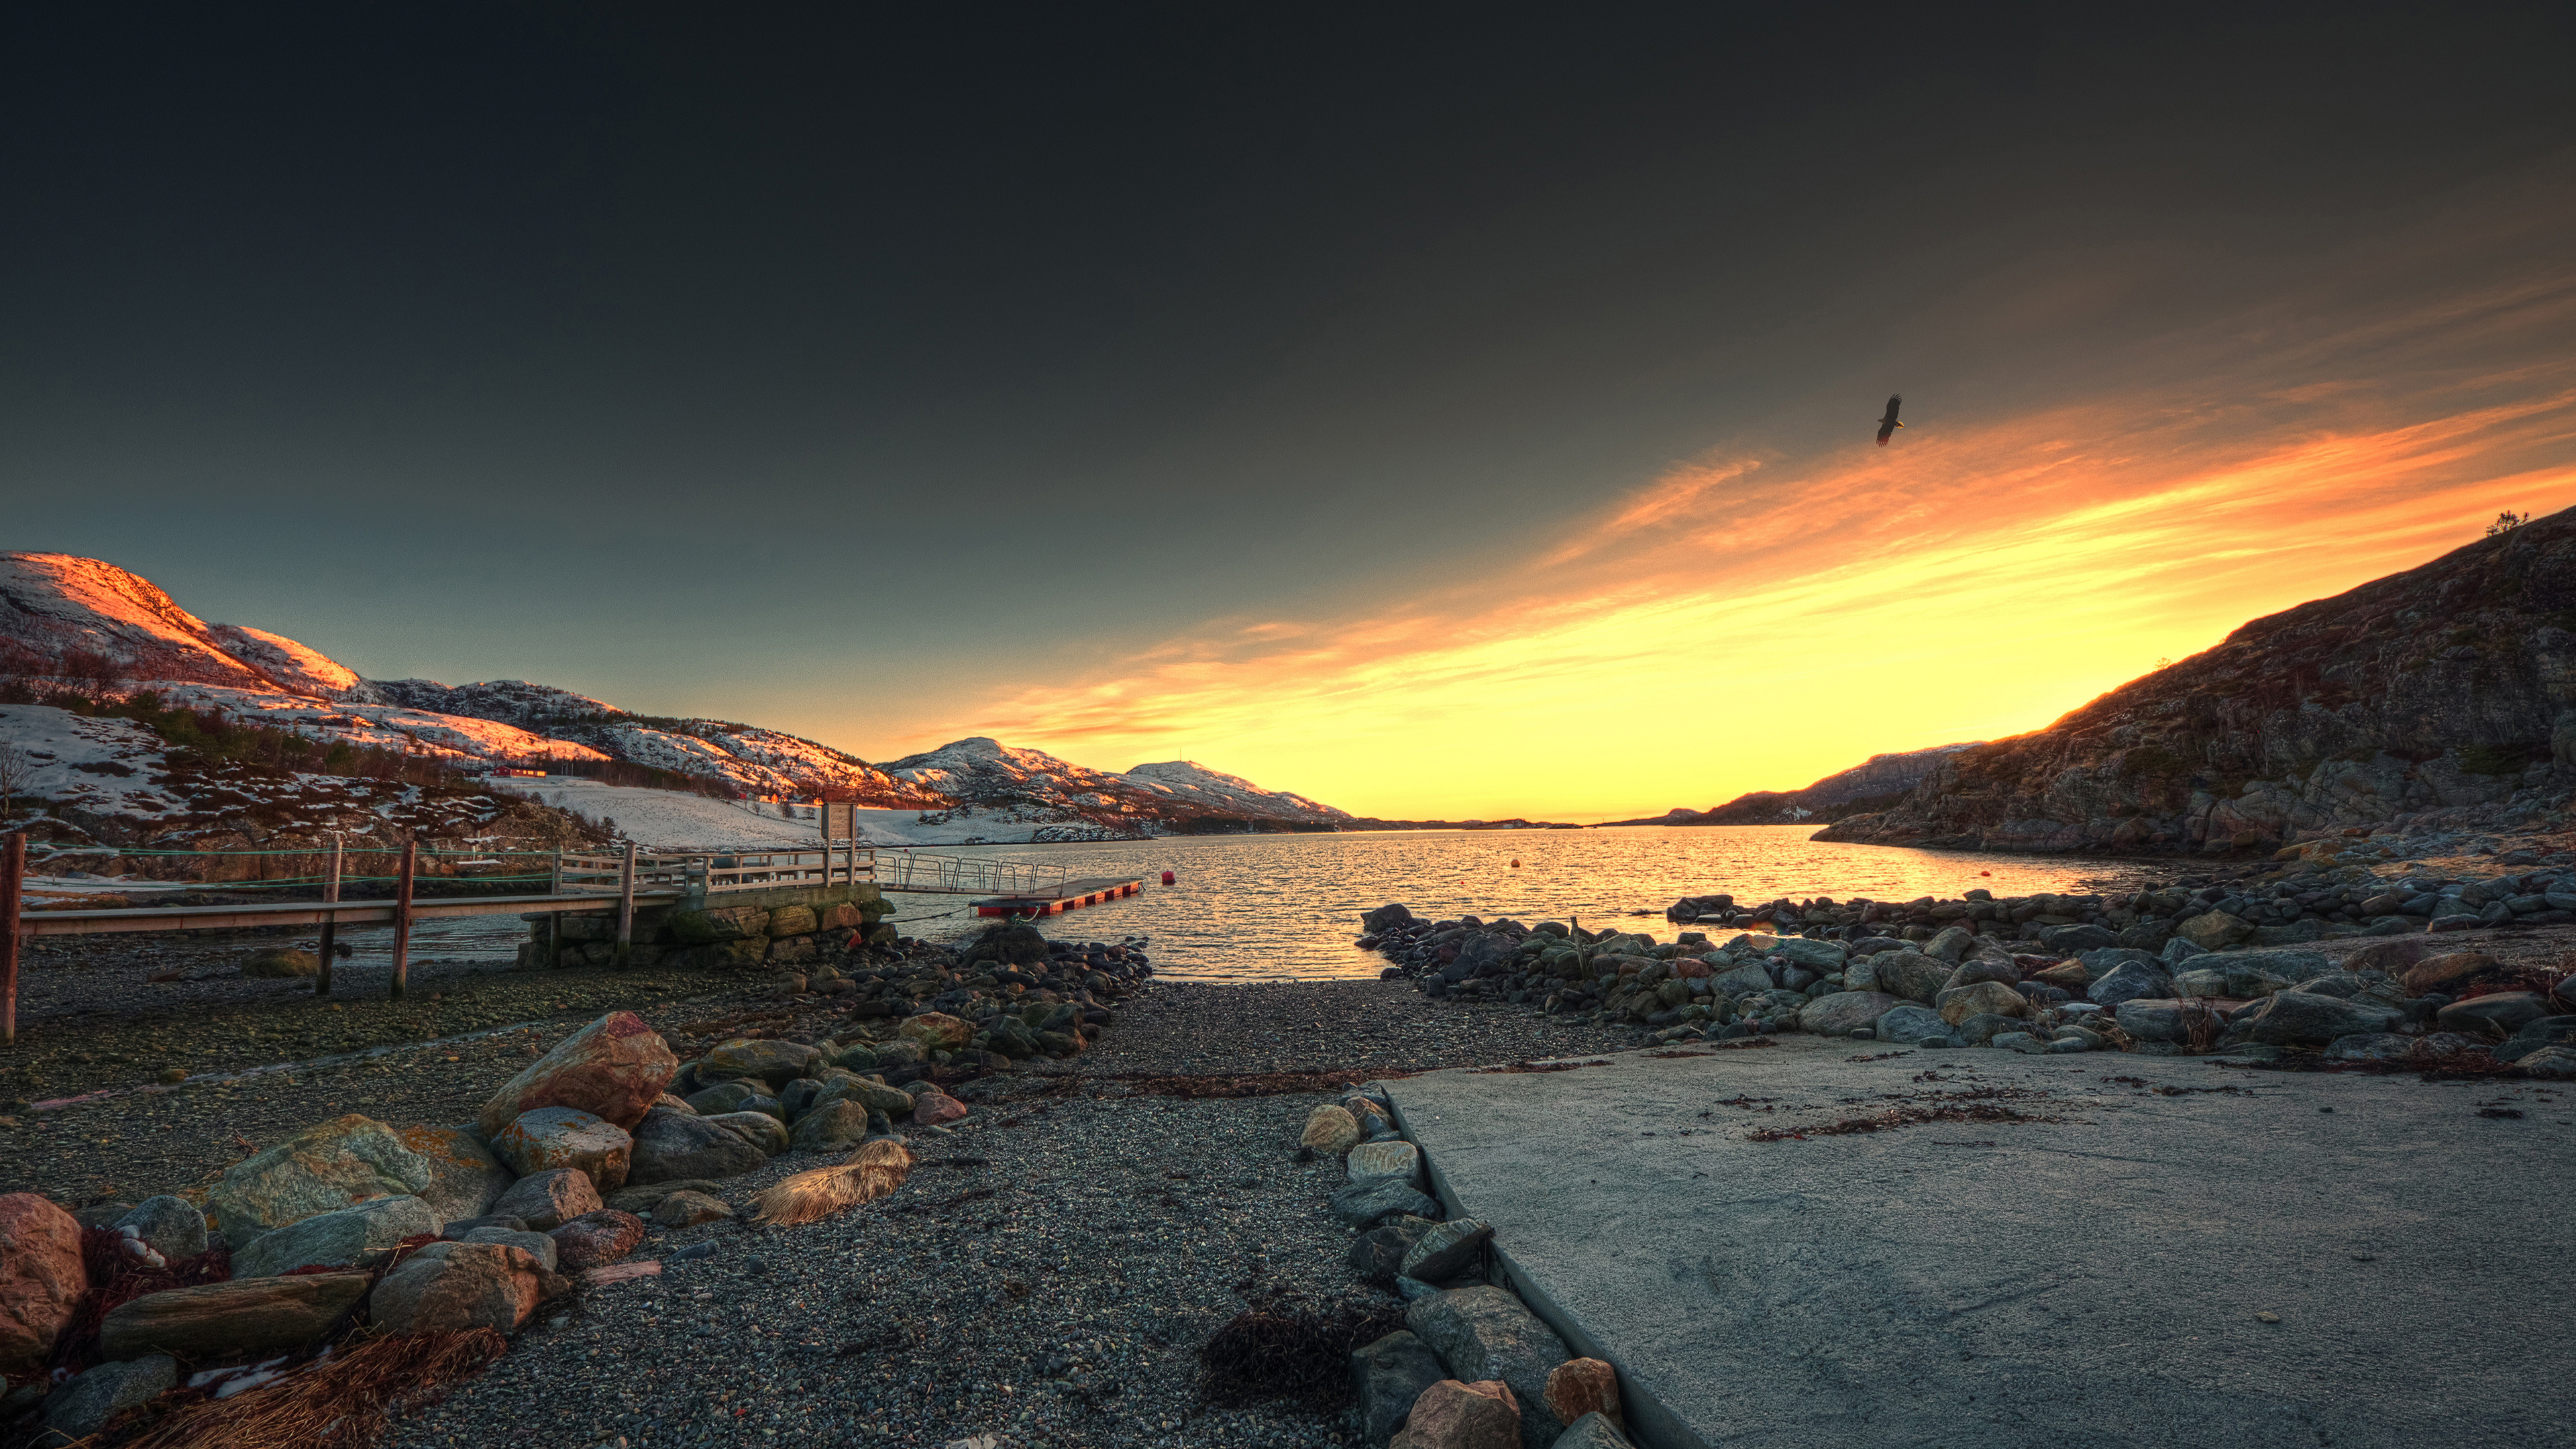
1169, 877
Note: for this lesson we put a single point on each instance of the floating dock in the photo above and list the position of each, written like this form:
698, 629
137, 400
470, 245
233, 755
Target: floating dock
1072, 895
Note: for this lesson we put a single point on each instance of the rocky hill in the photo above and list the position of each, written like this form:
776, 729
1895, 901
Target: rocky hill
983, 774
1873, 784
2449, 685
74, 627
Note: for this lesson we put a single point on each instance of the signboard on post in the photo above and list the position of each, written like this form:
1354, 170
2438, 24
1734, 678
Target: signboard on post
840, 820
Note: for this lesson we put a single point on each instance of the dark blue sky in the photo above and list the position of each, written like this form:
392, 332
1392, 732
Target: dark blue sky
834, 370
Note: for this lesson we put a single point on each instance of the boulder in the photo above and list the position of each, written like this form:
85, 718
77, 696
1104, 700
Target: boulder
1015, 943
729, 1096
42, 1278
612, 1069
1836, 1014
1455, 1415
324, 1168
465, 1179
553, 1137
82, 1407
1446, 1250
1984, 1028
934, 1108
726, 923
537, 1245
688, 1209
2373, 1046
1982, 968
1905, 1025
549, 1199
446, 1287
2533, 1035
1910, 975
774, 1062
1821, 957
793, 921
1399, 1160
1581, 1386
1387, 1377
170, 1226
645, 1199
336, 1240
2551, 1064
2450, 974
2214, 930
2126, 981
1986, 998
244, 1316
2070, 940
1743, 980
1378, 1254
2394, 956
1330, 1130
1484, 1333
1950, 945
759, 1129
871, 1096
837, 1127
603, 1236
1365, 1204
675, 1146
936, 1031
2496, 1017
1481, 953
1592, 1431
1385, 918
2182, 1021
2309, 1018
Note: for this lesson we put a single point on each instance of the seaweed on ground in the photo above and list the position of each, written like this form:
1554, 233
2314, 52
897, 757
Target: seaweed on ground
1895, 1117
1277, 1351
117, 1277
340, 1402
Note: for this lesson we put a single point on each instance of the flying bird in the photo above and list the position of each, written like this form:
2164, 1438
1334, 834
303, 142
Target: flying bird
1889, 424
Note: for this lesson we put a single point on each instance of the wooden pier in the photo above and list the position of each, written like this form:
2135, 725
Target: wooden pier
1072, 895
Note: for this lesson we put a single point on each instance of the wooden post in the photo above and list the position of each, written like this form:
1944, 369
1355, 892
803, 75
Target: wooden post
13, 880
330, 923
402, 919
554, 920
626, 906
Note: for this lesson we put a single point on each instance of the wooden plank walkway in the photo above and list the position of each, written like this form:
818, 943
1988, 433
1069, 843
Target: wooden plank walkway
1072, 895
309, 913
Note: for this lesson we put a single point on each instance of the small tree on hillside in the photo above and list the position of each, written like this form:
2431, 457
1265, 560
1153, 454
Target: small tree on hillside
17, 767
2507, 522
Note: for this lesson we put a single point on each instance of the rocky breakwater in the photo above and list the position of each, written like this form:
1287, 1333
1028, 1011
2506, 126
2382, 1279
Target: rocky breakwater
1472, 1367
2181, 968
722, 938
2449, 686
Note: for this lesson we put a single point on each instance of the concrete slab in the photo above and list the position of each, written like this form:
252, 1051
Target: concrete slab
2102, 1281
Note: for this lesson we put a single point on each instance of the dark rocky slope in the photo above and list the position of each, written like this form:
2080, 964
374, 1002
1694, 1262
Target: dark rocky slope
1873, 784
2448, 685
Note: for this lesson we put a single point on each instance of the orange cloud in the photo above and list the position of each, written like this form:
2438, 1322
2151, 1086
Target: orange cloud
1767, 619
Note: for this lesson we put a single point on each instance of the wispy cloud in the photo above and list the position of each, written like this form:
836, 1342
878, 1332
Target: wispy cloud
1756, 618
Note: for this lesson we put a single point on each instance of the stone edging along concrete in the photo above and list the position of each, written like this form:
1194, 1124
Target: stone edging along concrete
1649, 1424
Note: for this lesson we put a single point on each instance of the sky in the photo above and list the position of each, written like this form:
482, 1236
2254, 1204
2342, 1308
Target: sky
1438, 413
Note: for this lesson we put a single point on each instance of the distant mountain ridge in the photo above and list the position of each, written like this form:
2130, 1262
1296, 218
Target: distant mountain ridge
65, 619
2452, 684
1874, 783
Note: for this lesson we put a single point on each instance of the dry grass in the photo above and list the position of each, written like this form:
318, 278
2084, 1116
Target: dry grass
876, 1169
341, 1403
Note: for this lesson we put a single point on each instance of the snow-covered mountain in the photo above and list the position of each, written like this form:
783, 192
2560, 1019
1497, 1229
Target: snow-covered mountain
1192, 782
91, 625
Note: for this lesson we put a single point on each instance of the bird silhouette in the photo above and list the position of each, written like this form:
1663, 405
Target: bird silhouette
1889, 424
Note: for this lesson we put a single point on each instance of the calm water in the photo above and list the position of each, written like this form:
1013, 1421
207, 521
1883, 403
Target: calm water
1268, 907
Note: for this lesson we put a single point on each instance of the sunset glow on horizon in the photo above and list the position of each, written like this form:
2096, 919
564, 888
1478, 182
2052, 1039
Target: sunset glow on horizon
1758, 620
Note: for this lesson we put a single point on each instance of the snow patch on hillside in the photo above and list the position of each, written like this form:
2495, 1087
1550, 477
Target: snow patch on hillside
296, 666
1191, 780
100, 765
